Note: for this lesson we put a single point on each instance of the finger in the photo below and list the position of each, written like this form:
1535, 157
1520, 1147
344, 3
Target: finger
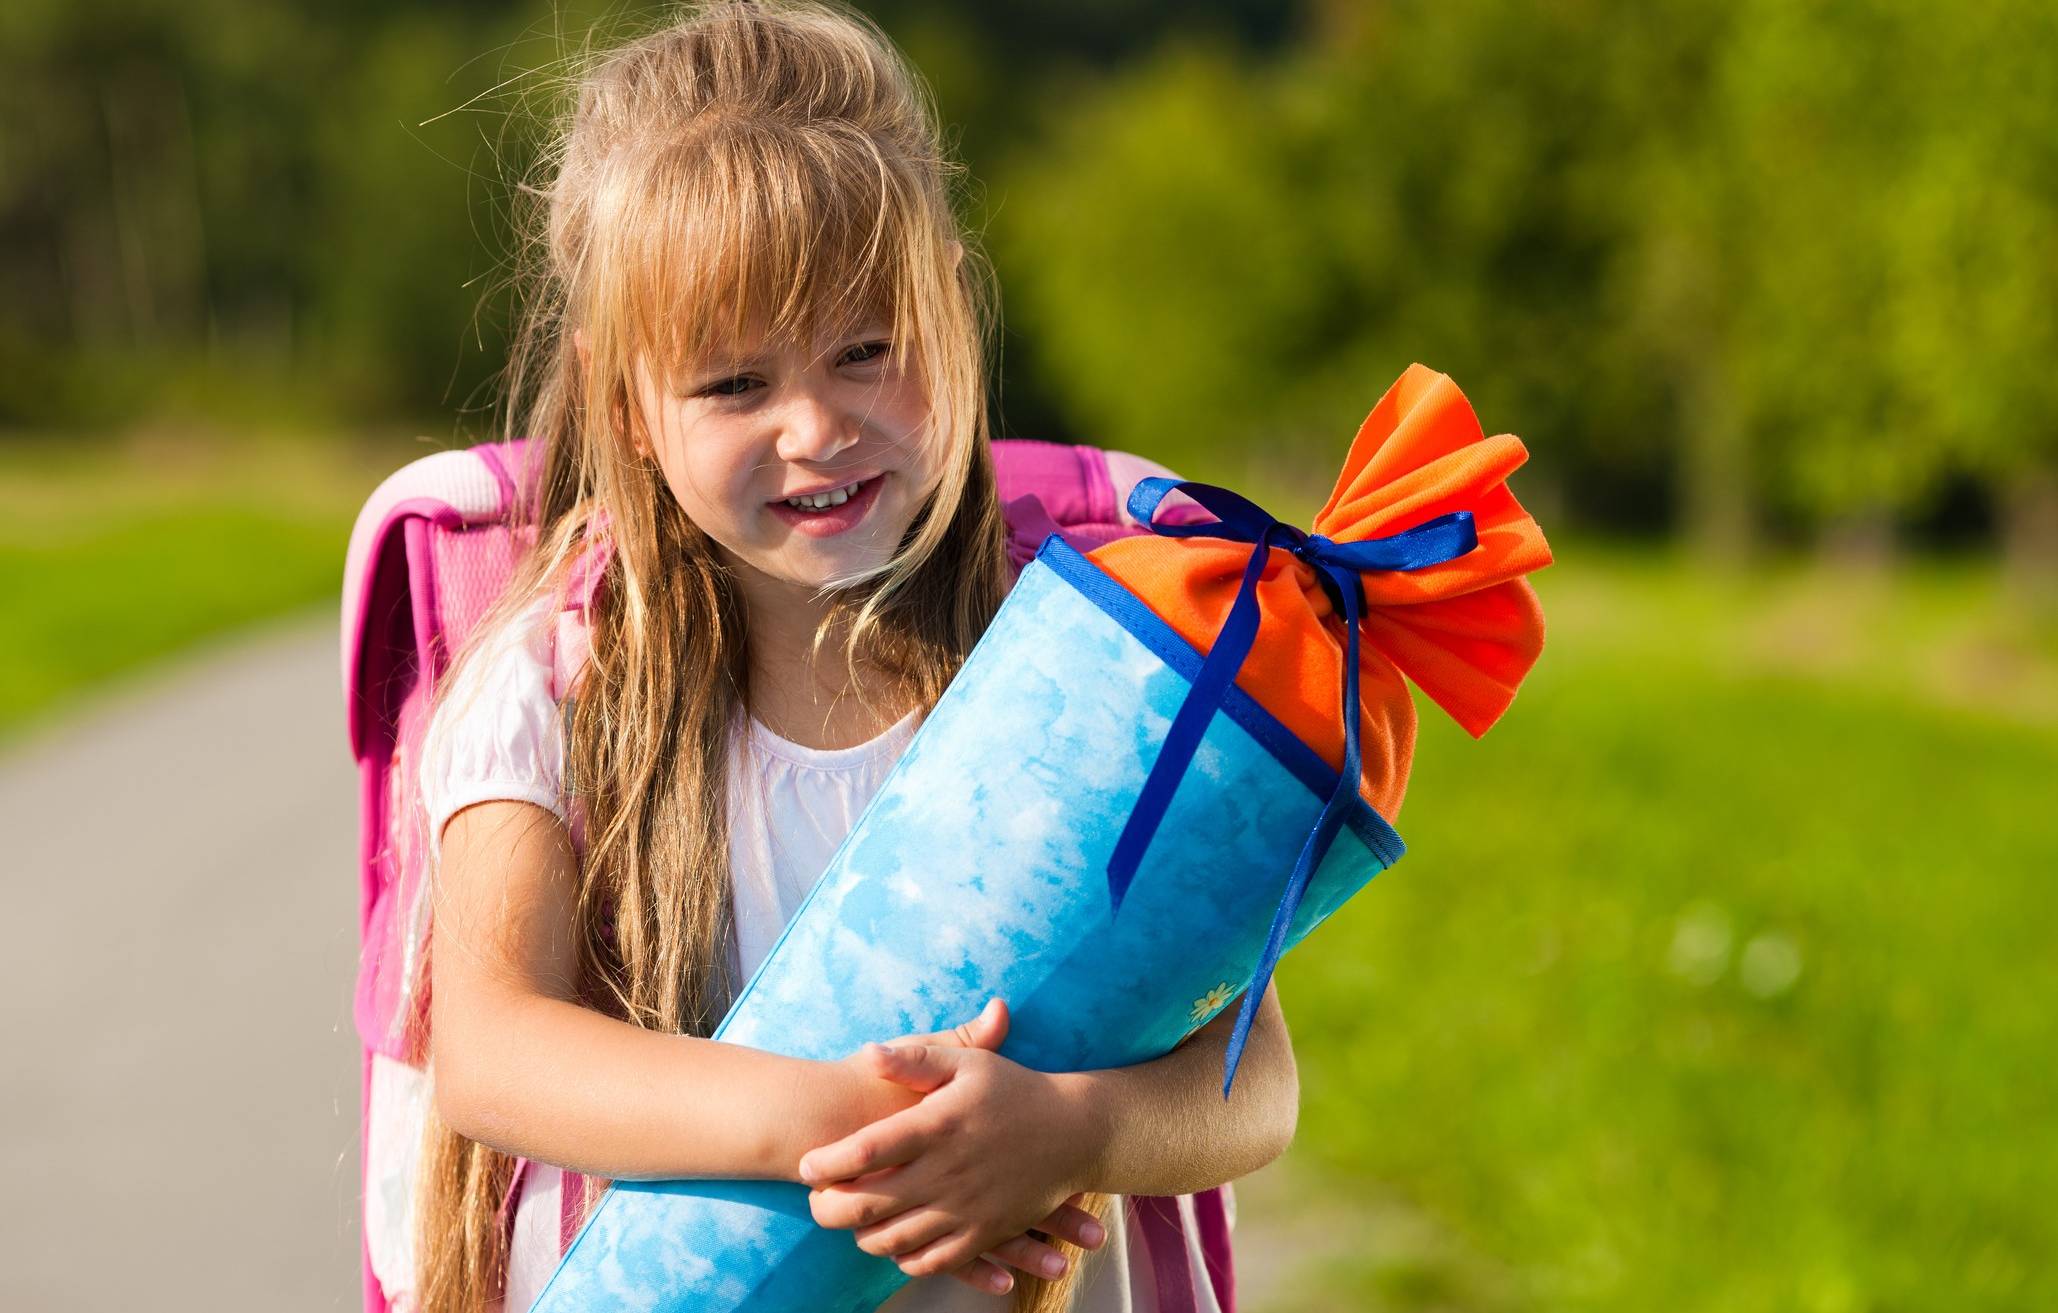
888, 1142
959, 1035
988, 1029
985, 1274
1075, 1225
918, 1066
1031, 1256
952, 1248
847, 1205
985, 1031
913, 1229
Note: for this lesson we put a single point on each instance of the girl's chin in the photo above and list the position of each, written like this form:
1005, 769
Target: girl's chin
819, 564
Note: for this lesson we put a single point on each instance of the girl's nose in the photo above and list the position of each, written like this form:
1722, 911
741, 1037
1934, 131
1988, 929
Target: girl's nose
815, 428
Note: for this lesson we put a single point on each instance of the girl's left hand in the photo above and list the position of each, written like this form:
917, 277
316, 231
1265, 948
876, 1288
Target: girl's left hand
992, 1150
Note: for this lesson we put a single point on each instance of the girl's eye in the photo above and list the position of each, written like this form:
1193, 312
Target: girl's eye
723, 388
866, 353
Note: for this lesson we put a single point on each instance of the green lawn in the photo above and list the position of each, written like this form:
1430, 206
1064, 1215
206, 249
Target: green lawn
117, 555
1717, 976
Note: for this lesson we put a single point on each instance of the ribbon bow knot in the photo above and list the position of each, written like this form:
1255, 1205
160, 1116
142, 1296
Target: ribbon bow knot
1337, 566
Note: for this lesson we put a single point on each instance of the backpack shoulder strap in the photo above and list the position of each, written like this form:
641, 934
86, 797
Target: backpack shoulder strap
572, 638
1077, 490
1162, 1223
1072, 482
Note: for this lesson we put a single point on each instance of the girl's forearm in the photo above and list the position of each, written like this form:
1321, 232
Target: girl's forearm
552, 1081
1163, 1127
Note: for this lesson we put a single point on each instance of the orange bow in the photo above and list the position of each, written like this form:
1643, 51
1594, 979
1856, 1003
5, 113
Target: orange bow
1466, 631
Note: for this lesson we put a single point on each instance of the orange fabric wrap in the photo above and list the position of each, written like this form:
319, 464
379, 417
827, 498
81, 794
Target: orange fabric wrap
1465, 631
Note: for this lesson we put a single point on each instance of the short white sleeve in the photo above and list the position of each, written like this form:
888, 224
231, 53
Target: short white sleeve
496, 734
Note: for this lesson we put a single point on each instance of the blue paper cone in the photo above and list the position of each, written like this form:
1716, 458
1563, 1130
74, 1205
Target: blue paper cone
981, 870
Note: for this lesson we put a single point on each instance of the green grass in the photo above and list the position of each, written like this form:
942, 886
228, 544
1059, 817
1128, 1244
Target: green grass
1717, 975
119, 554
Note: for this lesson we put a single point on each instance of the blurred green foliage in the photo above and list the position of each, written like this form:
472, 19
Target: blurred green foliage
231, 212
1724, 266
1732, 268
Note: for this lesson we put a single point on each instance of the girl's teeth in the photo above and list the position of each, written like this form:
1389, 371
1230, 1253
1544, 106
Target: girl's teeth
824, 500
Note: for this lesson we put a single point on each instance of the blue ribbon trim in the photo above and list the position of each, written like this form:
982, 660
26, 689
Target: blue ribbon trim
1240, 708
1337, 566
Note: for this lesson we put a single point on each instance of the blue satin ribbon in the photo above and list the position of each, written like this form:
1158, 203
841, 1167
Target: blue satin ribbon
1337, 565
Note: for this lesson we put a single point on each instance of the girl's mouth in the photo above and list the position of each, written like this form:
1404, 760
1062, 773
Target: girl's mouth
830, 513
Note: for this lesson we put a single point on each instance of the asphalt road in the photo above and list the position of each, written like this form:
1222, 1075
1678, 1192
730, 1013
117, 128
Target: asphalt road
178, 1096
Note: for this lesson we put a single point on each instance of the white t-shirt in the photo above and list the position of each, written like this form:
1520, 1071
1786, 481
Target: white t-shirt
498, 735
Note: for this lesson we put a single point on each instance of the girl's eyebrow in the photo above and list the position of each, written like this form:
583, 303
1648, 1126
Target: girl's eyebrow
717, 365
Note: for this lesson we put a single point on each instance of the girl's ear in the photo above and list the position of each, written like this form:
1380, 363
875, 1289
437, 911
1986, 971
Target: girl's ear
637, 438
957, 253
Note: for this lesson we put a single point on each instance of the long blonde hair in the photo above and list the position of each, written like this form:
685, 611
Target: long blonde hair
771, 164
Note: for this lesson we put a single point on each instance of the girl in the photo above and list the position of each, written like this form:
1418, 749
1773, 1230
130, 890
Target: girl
754, 366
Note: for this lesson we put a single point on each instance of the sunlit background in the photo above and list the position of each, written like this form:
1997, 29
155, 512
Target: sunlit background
1717, 976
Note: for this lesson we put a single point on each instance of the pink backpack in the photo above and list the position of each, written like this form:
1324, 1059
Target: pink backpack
431, 551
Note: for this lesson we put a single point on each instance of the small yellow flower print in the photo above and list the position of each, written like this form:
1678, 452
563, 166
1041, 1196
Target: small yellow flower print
1210, 1001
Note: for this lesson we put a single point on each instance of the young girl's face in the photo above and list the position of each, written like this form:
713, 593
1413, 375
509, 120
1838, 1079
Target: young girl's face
838, 425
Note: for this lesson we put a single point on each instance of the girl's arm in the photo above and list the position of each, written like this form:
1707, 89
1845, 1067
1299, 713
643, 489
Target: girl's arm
1163, 1127
523, 1068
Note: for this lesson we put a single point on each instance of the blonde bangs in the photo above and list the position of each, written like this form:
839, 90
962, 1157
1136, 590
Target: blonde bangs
753, 232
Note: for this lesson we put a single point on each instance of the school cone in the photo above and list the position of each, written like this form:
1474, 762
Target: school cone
1164, 764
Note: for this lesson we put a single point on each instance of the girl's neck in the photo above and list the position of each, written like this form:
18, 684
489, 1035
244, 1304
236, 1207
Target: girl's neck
804, 698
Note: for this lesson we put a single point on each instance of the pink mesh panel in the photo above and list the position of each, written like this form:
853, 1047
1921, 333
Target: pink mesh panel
471, 568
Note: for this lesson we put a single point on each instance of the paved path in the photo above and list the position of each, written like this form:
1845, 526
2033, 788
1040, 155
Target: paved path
178, 1105
178, 1101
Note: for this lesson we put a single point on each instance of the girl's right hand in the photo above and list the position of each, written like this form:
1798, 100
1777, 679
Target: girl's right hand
1069, 1223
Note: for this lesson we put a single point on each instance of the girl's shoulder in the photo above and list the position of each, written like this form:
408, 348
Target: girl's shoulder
507, 656
496, 732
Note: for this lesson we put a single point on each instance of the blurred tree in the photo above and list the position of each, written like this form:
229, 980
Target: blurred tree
410, 215
1232, 259
1813, 110
1971, 238
1884, 191
995, 68
100, 202
1676, 277
1172, 317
